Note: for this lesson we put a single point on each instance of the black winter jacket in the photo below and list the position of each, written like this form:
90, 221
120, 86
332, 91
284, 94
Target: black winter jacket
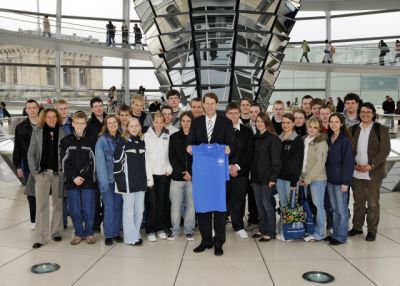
130, 170
179, 159
94, 125
267, 158
292, 158
77, 159
23, 134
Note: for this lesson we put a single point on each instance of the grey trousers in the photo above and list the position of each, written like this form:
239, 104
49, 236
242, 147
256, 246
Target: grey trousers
45, 182
366, 192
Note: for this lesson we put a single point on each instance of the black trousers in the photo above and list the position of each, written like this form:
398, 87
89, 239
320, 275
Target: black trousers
98, 210
158, 206
32, 208
251, 205
236, 200
206, 226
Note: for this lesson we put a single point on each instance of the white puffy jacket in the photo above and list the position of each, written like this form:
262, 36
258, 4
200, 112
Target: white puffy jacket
157, 152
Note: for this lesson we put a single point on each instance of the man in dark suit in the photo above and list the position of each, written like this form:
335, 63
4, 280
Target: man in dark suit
239, 172
211, 128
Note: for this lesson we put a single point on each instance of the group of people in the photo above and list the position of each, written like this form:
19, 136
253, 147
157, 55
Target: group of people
133, 168
111, 30
329, 51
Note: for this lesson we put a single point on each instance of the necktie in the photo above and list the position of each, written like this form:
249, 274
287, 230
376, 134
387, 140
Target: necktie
209, 129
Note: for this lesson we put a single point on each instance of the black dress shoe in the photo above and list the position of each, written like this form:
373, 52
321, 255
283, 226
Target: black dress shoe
371, 236
256, 235
108, 241
218, 251
354, 232
36, 245
335, 242
139, 242
201, 248
57, 238
118, 239
329, 238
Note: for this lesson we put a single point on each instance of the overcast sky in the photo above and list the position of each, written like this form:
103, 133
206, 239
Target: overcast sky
343, 28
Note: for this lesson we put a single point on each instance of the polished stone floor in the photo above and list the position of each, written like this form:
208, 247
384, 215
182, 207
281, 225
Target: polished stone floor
245, 262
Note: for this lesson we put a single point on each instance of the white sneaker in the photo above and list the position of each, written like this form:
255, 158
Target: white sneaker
152, 238
309, 238
280, 237
33, 225
172, 236
242, 234
162, 235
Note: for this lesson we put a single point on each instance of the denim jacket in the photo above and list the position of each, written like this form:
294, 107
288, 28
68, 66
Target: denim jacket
104, 154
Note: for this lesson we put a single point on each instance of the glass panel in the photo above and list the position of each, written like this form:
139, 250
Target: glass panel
253, 40
172, 41
214, 76
170, 7
289, 8
169, 24
259, 5
283, 25
212, 5
221, 92
256, 22
144, 11
278, 43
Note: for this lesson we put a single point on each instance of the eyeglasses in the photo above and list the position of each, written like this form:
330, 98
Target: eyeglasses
366, 112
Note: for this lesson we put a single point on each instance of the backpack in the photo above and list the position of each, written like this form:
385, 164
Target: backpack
307, 48
376, 126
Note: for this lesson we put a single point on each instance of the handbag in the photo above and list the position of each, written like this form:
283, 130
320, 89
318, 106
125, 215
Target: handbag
309, 222
293, 219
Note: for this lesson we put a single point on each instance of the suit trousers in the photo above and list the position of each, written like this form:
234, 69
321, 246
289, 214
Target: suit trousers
206, 226
366, 191
44, 182
236, 200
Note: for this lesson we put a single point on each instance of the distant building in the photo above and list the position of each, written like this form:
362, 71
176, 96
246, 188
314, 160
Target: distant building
23, 79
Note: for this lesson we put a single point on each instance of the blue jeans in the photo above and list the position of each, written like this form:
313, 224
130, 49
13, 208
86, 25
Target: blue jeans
283, 188
112, 203
340, 212
181, 193
266, 209
318, 196
81, 208
133, 208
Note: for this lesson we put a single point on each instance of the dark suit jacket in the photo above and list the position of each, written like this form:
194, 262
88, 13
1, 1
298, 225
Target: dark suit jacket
222, 132
243, 150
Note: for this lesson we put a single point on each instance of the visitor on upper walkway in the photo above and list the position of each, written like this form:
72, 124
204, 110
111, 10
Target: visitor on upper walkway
397, 50
125, 36
46, 26
327, 53
110, 34
306, 49
384, 50
138, 36
388, 107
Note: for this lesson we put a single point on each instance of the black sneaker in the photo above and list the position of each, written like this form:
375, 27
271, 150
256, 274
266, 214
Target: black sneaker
371, 236
36, 245
118, 239
335, 242
57, 238
108, 241
329, 238
354, 232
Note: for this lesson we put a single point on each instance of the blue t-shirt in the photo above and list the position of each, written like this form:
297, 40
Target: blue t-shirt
210, 171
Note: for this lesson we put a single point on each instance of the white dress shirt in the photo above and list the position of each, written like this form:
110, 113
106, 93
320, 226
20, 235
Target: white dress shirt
362, 151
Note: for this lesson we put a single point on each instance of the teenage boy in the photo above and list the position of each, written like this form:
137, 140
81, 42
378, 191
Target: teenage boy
77, 164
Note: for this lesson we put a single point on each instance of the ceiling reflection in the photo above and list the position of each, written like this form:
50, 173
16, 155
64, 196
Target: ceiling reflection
232, 47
